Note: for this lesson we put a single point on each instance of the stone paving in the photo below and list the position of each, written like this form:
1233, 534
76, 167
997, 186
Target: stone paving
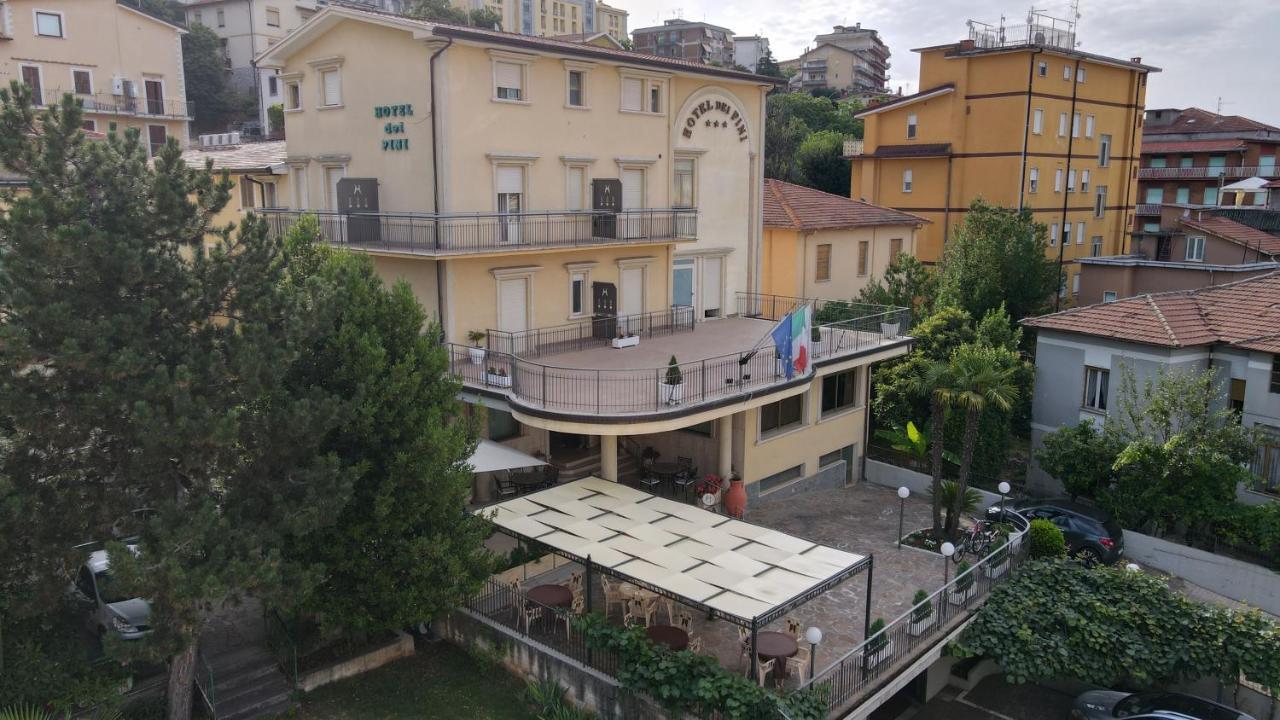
862, 519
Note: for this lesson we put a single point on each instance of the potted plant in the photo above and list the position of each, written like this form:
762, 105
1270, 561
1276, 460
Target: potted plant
625, 340
963, 588
815, 334
999, 563
476, 353
921, 614
879, 647
890, 329
673, 383
712, 485
497, 377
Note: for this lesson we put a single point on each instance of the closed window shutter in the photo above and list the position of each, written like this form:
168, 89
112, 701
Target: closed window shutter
332, 88
510, 180
824, 262
632, 94
509, 76
895, 248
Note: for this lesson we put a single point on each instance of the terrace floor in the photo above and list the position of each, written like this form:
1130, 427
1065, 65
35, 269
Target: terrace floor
862, 519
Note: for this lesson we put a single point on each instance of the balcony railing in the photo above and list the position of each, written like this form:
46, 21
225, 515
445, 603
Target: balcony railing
852, 148
588, 333
1174, 173
642, 391
1147, 209
427, 234
124, 105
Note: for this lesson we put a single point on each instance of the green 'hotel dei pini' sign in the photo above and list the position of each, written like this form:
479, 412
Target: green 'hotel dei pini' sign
392, 127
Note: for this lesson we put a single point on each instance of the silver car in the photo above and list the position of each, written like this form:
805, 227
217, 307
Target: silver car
110, 611
1106, 704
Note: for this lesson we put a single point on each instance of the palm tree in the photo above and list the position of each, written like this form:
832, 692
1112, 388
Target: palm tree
931, 380
976, 382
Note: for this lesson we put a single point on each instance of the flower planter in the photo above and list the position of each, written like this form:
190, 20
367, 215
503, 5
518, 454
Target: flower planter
959, 597
995, 570
476, 354
916, 628
879, 656
889, 330
672, 394
497, 380
626, 342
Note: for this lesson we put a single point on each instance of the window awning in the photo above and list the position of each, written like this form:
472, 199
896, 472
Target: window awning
745, 573
491, 456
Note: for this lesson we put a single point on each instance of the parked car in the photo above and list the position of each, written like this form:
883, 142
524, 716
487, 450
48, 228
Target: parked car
110, 611
1105, 704
1091, 534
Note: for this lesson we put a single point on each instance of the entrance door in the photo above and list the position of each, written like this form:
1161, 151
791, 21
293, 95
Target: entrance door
682, 282
156, 137
513, 307
633, 199
510, 203
604, 310
155, 97
711, 286
632, 300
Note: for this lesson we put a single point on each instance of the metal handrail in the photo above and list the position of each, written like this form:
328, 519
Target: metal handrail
1210, 171
588, 332
280, 640
208, 690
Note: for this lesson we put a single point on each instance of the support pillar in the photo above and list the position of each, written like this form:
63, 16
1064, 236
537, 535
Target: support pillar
724, 432
609, 457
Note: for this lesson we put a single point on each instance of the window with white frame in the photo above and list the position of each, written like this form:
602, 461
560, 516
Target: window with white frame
1053, 235
1104, 150
222, 18
577, 88
579, 286
1084, 181
1108, 296
575, 187
1066, 73
906, 181
1080, 74
1075, 284
1033, 182
1100, 201
642, 94
1096, 249
911, 126
82, 81
332, 174
293, 94
1096, 381
1080, 233
682, 191
1062, 124
49, 24
1037, 121
273, 85
273, 17
1195, 248
1043, 69
1071, 180
298, 181
1057, 180
1089, 122
330, 88
509, 81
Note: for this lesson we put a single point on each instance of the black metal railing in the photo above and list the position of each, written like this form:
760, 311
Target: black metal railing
280, 639
591, 332
827, 313
855, 673
636, 391
505, 605
444, 234
122, 104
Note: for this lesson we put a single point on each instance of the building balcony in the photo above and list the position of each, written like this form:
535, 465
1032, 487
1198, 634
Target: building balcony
106, 103
1147, 209
1180, 173
473, 233
573, 372
853, 148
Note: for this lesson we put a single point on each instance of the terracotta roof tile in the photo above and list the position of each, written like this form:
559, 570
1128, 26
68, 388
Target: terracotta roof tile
1244, 314
257, 156
800, 208
1237, 232
1195, 120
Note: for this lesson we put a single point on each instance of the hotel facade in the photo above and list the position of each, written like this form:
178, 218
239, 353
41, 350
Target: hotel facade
548, 200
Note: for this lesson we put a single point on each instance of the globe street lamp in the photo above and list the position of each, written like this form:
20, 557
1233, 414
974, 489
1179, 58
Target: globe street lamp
1003, 487
814, 636
903, 494
947, 551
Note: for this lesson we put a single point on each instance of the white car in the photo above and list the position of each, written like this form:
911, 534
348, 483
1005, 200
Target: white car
111, 612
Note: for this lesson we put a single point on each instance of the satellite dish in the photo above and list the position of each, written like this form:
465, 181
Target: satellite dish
708, 499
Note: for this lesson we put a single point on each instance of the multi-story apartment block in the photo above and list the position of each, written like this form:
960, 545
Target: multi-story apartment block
1019, 118
549, 200
696, 41
124, 64
749, 50
851, 59
1188, 158
611, 20
550, 18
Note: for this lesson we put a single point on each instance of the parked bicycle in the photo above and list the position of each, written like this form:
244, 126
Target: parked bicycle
976, 540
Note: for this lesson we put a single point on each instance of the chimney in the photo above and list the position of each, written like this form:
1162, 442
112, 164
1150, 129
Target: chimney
966, 45
1136, 60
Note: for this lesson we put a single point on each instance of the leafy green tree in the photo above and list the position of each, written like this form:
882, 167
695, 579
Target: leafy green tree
1110, 626
821, 162
1080, 457
907, 283
168, 10
401, 550
817, 113
144, 355
928, 379
768, 66
998, 256
783, 137
825, 92
205, 73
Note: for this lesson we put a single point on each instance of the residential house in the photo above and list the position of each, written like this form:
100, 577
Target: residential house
851, 59
1083, 354
556, 199
258, 171
695, 41
1019, 118
821, 245
125, 65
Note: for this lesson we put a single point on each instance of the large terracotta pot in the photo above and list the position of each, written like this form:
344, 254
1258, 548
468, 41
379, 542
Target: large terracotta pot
735, 498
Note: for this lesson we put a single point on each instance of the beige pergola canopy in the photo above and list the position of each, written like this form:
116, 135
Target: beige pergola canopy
747, 574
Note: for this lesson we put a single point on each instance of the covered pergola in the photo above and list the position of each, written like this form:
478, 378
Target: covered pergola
746, 574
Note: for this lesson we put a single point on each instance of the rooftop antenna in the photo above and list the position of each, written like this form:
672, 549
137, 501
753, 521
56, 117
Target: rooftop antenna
1220, 104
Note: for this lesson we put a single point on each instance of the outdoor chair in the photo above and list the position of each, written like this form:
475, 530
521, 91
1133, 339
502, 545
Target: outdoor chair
684, 480
684, 463
686, 621
613, 595
695, 644
671, 610
762, 671
506, 488
567, 616
793, 628
531, 614
550, 475
799, 662
744, 644
650, 482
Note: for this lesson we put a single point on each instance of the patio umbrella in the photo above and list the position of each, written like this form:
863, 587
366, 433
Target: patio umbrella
491, 456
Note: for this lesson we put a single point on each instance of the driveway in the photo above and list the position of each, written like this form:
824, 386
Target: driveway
995, 699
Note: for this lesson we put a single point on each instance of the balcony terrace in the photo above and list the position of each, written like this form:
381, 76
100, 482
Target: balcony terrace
1206, 171
437, 235
573, 370
108, 104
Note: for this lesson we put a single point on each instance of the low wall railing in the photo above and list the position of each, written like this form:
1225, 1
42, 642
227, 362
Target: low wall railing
590, 332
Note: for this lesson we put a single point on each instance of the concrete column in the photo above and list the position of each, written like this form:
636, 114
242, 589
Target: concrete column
609, 457
724, 433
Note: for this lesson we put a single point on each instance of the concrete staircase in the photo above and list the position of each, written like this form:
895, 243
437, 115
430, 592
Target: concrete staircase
628, 469
247, 684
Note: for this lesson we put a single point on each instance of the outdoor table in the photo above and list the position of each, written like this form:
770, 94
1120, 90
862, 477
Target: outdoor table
668, 635
776, 646
528, 482
550, 597
666, 471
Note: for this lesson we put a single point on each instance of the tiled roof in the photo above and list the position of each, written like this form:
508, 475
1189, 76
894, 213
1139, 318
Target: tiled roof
910, 151
1191, 146
906, 99
800, 208
246, 157
1194, 120
1237, 232
1243, 314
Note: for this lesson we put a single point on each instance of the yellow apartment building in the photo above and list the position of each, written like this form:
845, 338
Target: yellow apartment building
1029, 124
555, 200
124, 64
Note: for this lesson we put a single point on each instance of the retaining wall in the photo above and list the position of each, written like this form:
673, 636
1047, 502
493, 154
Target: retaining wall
1238, 580
882, 473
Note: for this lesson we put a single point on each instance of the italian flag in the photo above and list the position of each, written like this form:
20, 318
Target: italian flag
791, 340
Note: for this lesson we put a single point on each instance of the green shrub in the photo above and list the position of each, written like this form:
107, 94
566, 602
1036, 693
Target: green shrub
275, 118
964, 578
48, 664
1255, 528
876, 642
922, 608
1046, 540
549, 703
674, 375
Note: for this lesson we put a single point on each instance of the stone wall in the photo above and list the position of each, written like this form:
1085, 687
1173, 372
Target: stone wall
882, 473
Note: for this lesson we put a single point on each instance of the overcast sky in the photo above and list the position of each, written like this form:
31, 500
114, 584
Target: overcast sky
1207, 50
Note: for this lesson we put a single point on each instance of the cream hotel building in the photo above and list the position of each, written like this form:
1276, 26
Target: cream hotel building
553, 200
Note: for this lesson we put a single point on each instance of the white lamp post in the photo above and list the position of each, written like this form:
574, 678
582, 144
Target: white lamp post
1003, 487
947, 551
814, 636
903, 494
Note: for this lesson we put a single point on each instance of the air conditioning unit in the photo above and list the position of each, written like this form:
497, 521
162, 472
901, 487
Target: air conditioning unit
213, 140
117, 85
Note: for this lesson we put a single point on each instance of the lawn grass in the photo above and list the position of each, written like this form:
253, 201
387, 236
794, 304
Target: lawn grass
440, 681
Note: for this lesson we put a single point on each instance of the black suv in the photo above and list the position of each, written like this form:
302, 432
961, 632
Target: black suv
1091, 534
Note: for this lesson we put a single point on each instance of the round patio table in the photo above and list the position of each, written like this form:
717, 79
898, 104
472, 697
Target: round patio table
776, 646
551, 596
669, 635
665, 471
